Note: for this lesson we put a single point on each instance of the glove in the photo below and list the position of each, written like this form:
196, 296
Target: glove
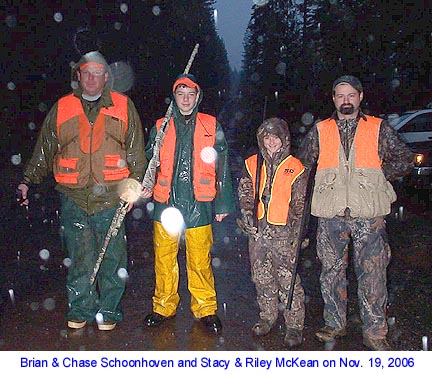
246, 224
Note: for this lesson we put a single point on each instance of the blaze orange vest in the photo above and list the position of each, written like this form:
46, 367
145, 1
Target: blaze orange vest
365, 144
285, 175
91, 151
204, 173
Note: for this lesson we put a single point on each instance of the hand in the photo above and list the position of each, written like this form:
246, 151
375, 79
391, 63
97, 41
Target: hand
378, 223
220, 217
146, 193
22, 191
246, 224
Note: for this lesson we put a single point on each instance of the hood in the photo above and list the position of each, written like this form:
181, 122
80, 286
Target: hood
278, 127
97, 57
190, 81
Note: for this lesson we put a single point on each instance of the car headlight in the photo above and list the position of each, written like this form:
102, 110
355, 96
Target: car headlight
419, 159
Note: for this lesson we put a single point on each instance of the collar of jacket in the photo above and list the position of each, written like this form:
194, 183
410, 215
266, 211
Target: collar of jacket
105, 99
360, 115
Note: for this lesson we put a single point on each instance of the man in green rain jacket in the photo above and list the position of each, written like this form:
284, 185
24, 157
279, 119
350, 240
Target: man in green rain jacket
91, 140
193, 183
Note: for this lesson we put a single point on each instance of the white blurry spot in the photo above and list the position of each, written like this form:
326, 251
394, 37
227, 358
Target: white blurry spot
99, 318
220, 135
11, 86
238, 116
393, 118
34, 306
129, 190
221, 340
302, 129
124, 7
123, 76
307, 264
31, 125
281, 307
11, 21
74, 85
307, 118
215, 16
226, 239
16, 159
276, 94
216, 262
42, 107
391, 321
395, 83
260, 2
208, 155
58, 17
18, 255
425, 343
137, 213
117, 25
44, 254
98, 189
167, 100
49, 304
150, 207
123, 274
67, 262
255, 77
370, 38
172, 221
156, 10
12, 295
281, 68
260, 39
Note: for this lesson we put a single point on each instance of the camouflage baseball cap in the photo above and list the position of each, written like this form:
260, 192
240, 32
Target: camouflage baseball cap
351, 80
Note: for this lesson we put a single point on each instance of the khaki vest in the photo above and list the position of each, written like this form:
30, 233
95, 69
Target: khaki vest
91, 152
204, 173
357, 183
285, 175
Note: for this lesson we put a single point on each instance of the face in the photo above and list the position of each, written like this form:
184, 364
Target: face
92, 80
272, 144
186, 98
347, 101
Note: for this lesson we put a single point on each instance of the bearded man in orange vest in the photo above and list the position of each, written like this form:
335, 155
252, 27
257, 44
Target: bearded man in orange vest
193, 188
357, 156
92, 140
272, 215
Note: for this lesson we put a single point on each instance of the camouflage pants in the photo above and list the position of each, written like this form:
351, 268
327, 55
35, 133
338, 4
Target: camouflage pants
371, 258
272, 263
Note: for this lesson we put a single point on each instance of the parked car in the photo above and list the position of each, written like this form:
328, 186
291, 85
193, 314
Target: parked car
415, 128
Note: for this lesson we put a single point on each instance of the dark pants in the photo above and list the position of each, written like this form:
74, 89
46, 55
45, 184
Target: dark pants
83, 237
371, 258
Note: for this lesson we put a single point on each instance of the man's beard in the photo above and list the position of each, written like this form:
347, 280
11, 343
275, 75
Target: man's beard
346, 109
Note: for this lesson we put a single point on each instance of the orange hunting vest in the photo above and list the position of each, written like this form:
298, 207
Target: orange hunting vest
91, 152
365, 144
356, 183
204, 174
285, 175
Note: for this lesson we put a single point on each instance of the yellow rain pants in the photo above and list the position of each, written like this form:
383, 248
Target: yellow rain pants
199, 271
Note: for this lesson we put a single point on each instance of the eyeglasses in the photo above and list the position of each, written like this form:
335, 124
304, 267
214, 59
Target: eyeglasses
95, 73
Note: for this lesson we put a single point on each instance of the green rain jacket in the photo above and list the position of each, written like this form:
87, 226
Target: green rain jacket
195, 213
92, 198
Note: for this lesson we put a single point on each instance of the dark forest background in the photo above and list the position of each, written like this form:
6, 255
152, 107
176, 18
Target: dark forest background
293, 52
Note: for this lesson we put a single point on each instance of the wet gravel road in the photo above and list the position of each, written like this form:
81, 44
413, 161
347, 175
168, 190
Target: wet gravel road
33, 301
